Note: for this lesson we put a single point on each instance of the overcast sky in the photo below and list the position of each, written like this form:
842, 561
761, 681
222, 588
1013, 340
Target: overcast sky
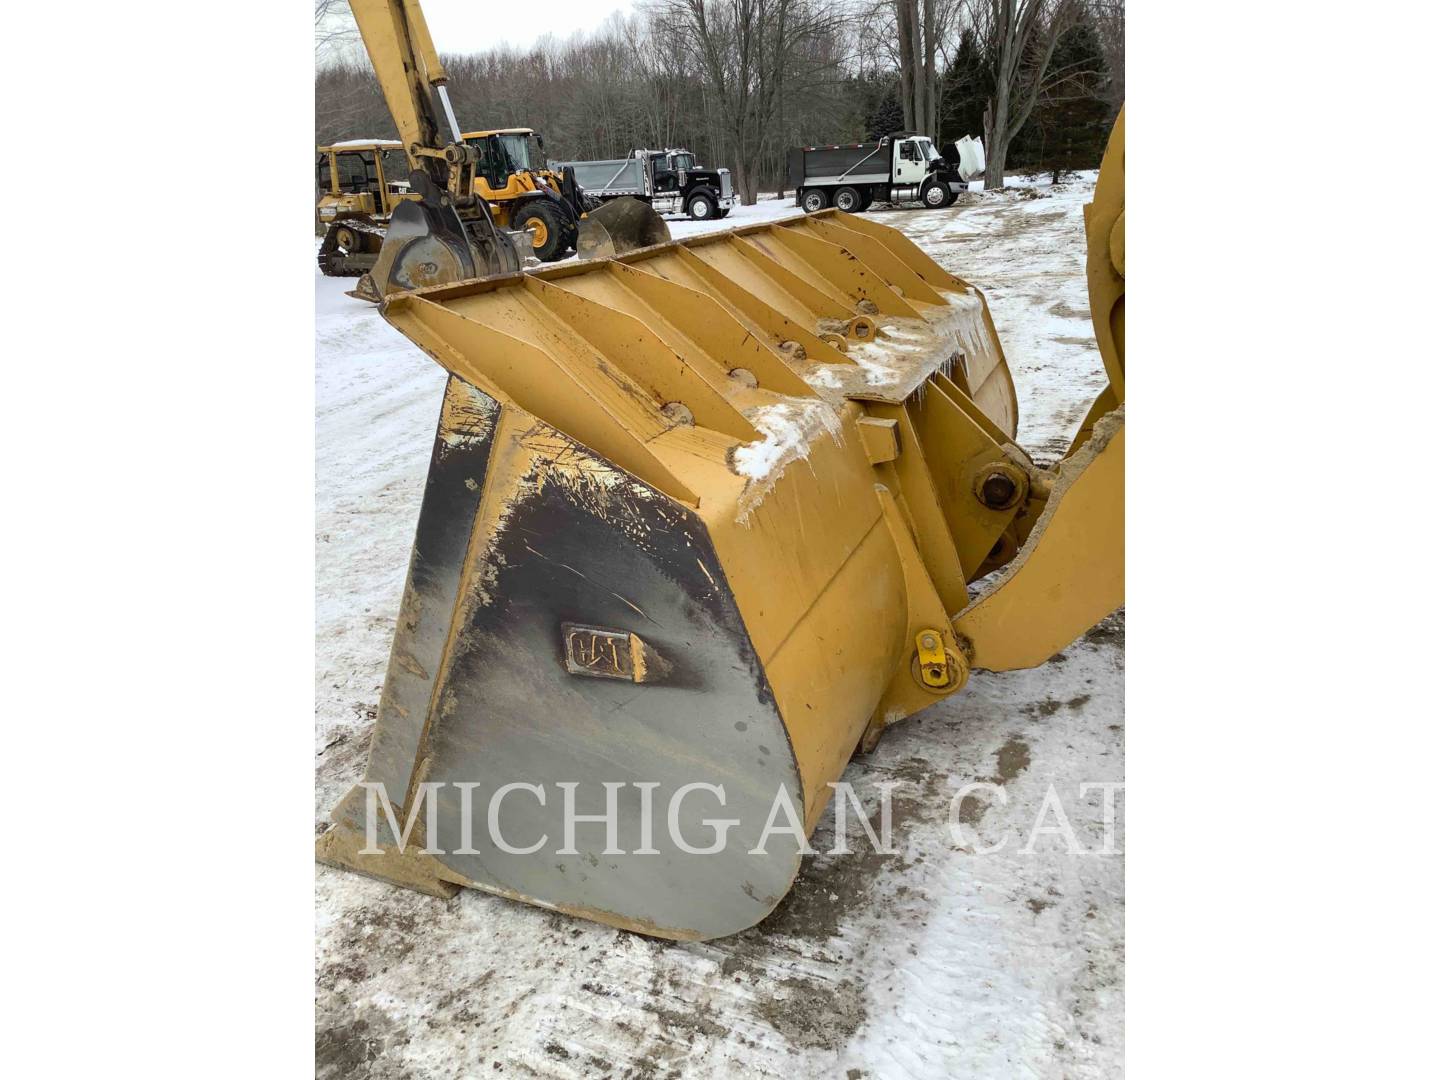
462, 26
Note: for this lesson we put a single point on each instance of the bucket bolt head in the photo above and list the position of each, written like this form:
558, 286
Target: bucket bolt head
935, 668
678, 413
861, 328
1000, 486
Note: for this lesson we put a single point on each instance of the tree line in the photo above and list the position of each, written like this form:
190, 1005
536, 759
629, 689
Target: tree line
739, 82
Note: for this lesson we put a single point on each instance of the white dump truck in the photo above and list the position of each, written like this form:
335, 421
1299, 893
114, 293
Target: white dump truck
900, 167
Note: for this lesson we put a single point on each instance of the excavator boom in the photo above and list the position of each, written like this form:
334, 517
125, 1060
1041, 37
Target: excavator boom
448, 233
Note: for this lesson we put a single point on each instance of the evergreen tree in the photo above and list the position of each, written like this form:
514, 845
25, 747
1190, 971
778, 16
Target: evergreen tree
1071, 123
964, 91
883, 113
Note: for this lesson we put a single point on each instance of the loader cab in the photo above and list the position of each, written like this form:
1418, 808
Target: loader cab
506, 154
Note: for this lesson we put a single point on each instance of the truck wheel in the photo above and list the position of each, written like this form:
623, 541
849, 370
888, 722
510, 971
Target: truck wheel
867, 199
934, 194
700, 207
814, 200
546, 226
849, 200
725, 213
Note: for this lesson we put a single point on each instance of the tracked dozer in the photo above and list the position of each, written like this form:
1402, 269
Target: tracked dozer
701, 522
361, 183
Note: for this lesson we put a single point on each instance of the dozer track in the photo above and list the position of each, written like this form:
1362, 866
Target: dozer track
701, 521
335, 261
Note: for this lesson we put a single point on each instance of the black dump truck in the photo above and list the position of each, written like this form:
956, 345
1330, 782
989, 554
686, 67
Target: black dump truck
901, 166
667, 179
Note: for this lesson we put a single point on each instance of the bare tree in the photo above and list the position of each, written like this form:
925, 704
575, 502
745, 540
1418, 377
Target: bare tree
334, 27
917, 38
1020, 37
751, 53
739, 82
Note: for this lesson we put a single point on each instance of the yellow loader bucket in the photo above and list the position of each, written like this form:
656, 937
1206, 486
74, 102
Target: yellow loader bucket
700, 521
618, 227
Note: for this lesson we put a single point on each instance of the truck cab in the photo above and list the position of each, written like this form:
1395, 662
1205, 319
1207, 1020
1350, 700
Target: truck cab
669, 169
912, 158
680, 186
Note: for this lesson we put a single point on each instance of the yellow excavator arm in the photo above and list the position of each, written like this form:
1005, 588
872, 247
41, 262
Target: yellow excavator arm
448, 234
408, 69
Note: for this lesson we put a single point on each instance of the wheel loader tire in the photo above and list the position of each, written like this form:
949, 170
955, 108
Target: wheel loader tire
849, 200
934, 195
814, 200
547, 227
701, 207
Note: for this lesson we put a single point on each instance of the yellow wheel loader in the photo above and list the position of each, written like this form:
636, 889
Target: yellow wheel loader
701, 521
550, 206
525, 196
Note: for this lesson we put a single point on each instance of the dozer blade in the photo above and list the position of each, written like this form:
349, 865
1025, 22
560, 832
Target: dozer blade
620, 226
429, 245
699, 522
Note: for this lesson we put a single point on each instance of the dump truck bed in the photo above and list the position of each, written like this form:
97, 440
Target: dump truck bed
609, 178
861, 163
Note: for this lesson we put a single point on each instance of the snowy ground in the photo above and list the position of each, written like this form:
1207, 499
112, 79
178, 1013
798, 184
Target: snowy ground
940, 961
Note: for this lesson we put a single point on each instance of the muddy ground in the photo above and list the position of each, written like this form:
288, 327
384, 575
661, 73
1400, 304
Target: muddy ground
991, 953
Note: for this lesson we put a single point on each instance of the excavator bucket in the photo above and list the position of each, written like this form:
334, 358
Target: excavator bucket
430, 245
701, 521
618, 227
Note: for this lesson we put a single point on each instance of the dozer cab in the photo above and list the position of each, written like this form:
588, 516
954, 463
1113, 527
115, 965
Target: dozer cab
360, 184
701, 522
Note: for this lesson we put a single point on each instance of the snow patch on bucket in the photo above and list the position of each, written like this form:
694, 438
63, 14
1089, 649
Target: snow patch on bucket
787, 428
908, 351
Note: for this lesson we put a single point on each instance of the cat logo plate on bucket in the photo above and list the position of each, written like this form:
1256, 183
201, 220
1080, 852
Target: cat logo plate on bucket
599, 653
